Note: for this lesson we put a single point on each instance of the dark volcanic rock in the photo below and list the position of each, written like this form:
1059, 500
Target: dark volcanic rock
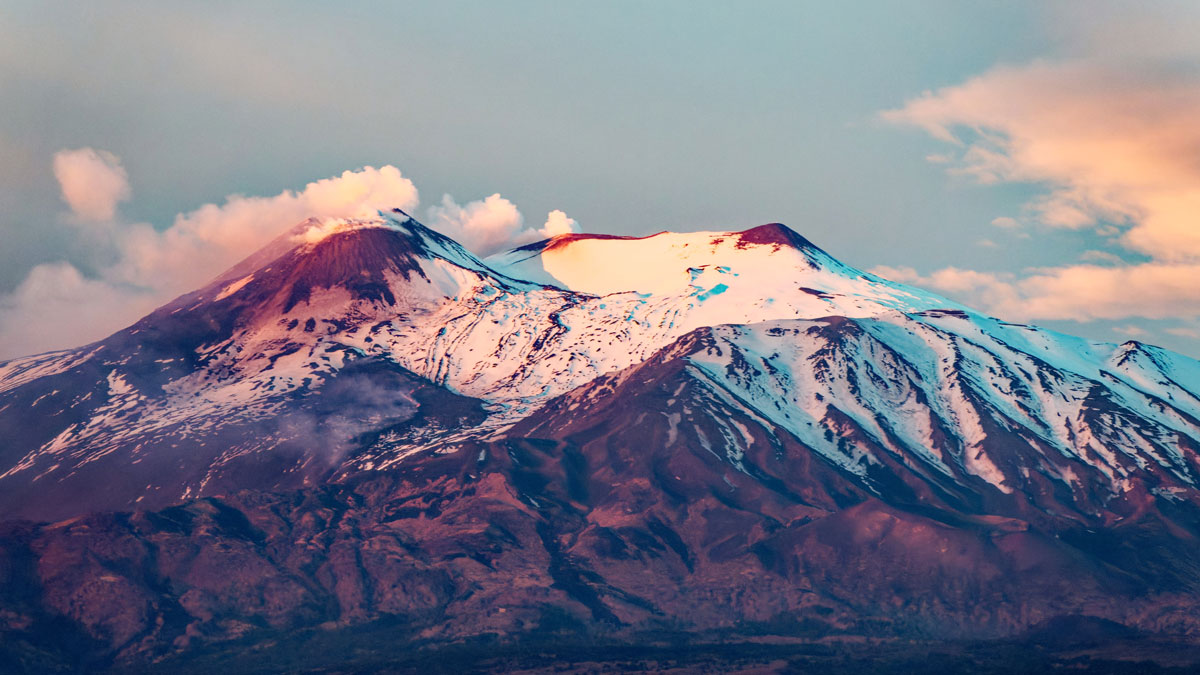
523, 544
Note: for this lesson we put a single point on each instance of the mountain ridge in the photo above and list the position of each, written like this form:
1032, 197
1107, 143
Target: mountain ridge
703, 430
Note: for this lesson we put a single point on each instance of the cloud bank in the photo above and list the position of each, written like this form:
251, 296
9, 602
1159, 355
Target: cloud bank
1116, 147
59, 306
92, 182
1074, 292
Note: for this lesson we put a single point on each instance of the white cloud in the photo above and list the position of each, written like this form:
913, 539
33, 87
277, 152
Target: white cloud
485, 226
92, 182
1006, 223
558, 223
493, 224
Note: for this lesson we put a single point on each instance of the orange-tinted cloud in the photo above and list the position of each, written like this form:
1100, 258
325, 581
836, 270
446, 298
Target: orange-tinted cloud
1117, 148
92, 182
1112, 145
1076, 292
202, 243
57, 306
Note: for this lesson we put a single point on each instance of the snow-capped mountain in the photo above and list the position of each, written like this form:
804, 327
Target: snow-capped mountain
231, 374
735, 414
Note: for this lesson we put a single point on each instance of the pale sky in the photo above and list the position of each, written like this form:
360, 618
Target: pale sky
1039, 161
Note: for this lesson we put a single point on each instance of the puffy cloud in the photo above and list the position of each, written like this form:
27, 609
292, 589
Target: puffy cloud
558, 223
1006, 223
485, 226
57, 307
92, 182
493, 224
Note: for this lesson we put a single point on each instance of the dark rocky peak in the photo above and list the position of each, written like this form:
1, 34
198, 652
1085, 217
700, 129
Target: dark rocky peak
358, 260
774, 234
563, 240
363, 257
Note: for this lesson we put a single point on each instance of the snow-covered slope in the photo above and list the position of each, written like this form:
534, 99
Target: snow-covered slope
967, 398
607, 303
233, 372
765, 264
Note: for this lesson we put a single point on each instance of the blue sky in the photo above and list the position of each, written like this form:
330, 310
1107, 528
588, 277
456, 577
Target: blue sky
630, 117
